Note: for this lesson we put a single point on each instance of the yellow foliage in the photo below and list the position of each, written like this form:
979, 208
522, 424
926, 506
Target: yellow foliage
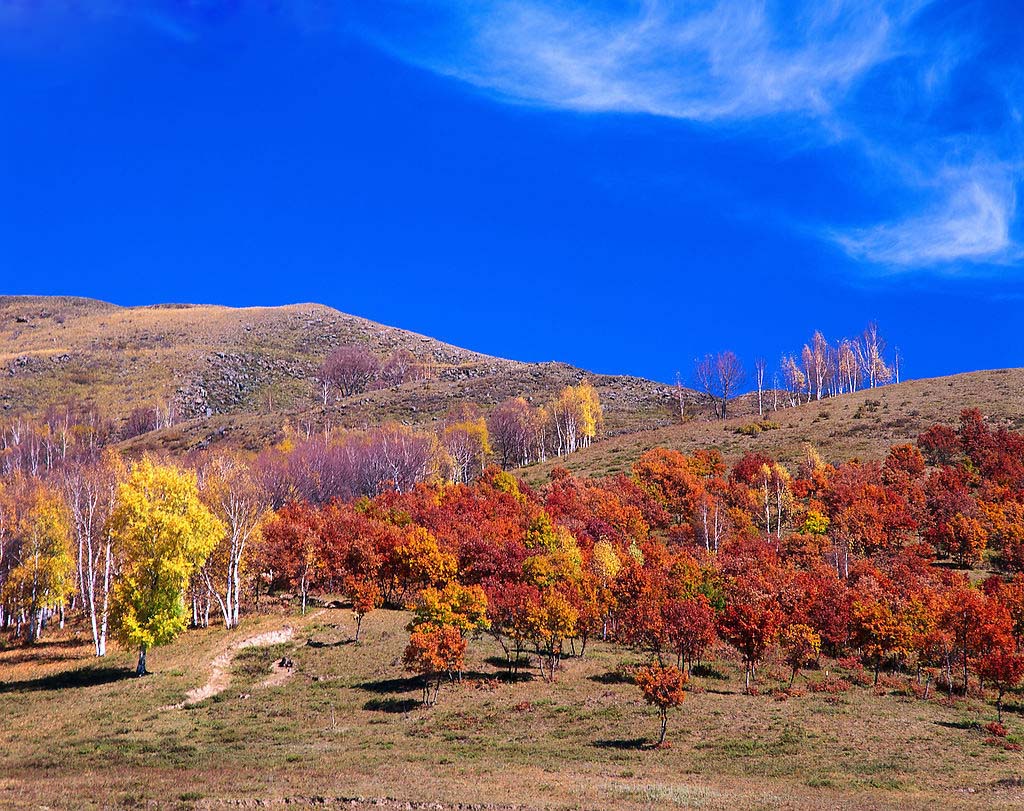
605, 563
163, 533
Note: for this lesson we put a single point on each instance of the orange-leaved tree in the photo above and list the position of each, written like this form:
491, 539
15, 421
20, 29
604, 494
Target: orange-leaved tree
662, 686
434, 652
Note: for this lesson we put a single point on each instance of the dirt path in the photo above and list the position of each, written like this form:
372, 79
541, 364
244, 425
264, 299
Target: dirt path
220, 667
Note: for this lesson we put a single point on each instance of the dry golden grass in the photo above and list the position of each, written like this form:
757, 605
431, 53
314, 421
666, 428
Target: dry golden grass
861, 425
254, 368
76, 734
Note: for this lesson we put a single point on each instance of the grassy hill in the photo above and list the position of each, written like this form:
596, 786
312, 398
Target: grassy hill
239, 374
859, 425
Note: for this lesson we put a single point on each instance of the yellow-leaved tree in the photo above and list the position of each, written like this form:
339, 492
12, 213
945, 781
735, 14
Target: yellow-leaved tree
164, 533
43, 577
577, 416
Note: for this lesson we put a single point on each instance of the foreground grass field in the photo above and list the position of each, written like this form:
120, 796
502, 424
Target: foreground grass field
77, 733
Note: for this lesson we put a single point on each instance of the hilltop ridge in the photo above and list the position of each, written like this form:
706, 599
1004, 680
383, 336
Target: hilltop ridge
240, 373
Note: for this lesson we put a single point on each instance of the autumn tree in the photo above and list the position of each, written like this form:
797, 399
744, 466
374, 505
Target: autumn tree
239, 500
365, 596
880, 625
1002, 667
577, 416
293, 553
41, 578
691, 627
552, 620
435, 652
164, 533
511, 610
468, 443
420, 562
800, 646
751, 619
663, 687
90, 490
455, 606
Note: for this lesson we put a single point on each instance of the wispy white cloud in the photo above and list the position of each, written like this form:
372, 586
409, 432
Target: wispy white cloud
744, 60
969, 220
733, 59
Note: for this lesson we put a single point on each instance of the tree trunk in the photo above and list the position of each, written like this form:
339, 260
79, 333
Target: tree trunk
140, 669
664, 726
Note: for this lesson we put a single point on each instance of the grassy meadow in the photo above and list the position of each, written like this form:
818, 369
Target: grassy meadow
346, 729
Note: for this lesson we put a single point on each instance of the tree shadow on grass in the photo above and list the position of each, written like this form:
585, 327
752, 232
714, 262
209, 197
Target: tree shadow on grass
392, 686
314, 643
392, 705
634, 744
503, 673
705, 671
501, 662
958, 724
69, 679
611, 677
1014, 707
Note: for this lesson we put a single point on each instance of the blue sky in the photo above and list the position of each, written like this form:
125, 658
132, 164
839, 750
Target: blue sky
621, 185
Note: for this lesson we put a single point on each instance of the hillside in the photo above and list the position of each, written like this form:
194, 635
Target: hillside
241, 374
859, 425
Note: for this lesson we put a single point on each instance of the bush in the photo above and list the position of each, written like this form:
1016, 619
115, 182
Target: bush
996, 729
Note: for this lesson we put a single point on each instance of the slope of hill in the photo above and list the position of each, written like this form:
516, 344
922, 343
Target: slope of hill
859, 425
241, 373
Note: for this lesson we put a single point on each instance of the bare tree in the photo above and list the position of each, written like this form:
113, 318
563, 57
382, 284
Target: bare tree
704, 375
351, 369
730, 375
720, 376
89, 491
871, 356
819, 357
681, 398
760, 367
848, 367
400, 367
239, 499
512, 426
793, 379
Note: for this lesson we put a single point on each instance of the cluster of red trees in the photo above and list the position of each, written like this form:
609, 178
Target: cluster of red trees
845, 560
